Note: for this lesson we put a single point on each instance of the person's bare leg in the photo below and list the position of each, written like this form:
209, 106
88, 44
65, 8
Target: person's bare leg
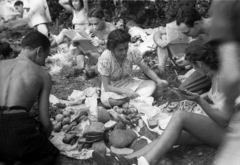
117, 102
146, 88
80, 59
185, 139
57, 40
162, 58
200, 127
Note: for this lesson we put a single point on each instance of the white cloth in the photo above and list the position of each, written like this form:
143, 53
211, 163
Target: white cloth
142, 161
39, 12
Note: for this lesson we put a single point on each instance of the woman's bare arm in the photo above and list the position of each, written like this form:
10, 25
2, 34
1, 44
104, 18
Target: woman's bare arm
222, 118
65, 4
85, 4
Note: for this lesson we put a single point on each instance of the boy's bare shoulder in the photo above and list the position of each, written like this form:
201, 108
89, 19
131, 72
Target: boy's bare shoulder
25, 66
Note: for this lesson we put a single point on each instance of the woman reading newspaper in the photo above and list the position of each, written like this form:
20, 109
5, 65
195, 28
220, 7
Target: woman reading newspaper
97, 31
79, 8
186, 128
115, 66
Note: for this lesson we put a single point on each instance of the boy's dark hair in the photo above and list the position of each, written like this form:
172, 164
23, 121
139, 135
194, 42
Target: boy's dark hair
171, 14
18, 3
188, 15
81, 2
5, 49
117, 36
96, 12
199, 50
34, 39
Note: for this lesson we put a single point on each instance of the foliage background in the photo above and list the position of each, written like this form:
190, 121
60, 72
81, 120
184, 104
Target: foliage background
147, 13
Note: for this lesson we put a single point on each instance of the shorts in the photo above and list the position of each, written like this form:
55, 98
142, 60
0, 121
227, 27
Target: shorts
21, 140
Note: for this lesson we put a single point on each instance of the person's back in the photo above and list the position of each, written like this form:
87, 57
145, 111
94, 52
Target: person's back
22, 82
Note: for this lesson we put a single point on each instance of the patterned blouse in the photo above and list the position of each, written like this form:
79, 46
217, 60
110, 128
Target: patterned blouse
108, 66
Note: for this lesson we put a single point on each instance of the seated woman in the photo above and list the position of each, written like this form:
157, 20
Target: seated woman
187, 128
5, 51
98, 29
79, 8
115, 66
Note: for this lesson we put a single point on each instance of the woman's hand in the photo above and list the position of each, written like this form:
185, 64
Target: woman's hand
131, 94
96, 42
189, 95
182, 62
161, 83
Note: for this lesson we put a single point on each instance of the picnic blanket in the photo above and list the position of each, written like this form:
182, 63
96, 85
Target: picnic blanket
142, 104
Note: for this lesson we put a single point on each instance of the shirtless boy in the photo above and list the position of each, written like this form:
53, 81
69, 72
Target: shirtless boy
22, 81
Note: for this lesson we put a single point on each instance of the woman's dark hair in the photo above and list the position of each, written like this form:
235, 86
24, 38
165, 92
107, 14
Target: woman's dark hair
96, 12
188, 15
5, 49
34, 39
198, 50
81, 4
117, 36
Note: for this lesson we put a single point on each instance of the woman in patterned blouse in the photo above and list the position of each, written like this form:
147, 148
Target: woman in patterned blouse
115, 66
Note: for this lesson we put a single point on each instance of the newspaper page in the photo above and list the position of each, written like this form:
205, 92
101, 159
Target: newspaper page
83, 40
174, 35
177, 41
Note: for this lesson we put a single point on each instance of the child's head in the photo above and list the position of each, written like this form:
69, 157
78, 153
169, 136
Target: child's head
202, 55
76, 4
5, 51
18, 5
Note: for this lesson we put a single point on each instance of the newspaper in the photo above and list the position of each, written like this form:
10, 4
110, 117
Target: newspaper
174, 35
177, 41
83, 40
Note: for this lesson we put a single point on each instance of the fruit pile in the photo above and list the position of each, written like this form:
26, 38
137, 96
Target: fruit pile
112, 129
128, 114
54, 111
62, 120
